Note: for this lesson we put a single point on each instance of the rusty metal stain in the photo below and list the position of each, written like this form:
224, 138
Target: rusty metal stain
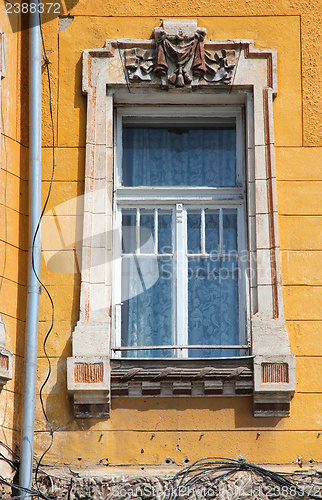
88, 373
4, 362
275, 373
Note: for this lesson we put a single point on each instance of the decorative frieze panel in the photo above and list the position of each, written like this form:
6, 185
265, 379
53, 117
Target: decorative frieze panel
88, 373
275, 373
180, 58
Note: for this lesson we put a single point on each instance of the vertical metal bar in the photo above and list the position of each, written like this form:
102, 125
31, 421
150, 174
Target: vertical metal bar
181, 278
221, 232
138, 242
117, 277
203, 232
174, 281
32, 315
156, 231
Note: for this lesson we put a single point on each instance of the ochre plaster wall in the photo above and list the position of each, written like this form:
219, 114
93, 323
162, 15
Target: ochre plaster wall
13, 218
192, 428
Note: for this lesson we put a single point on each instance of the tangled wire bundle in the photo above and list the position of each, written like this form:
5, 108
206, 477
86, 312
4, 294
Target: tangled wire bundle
206, 479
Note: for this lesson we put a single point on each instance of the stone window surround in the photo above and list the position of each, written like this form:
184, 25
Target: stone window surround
107, 83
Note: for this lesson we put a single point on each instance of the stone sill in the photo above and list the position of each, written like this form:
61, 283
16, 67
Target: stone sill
181, 377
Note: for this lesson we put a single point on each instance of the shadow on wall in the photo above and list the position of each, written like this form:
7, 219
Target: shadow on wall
215, 408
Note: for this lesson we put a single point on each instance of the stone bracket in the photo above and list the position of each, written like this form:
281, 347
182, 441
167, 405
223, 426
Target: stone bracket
274, 384
6, 357
88, 370
6, 366
88, 380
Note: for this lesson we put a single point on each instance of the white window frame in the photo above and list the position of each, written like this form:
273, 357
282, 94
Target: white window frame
179, 200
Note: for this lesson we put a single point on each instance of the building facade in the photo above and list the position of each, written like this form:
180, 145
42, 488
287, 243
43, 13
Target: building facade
195, 132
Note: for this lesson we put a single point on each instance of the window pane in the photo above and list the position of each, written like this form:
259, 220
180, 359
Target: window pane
165, 231
194, 232
129, 231
147, 297
212, 305
212, 230
179, 156
230, 230
146, 231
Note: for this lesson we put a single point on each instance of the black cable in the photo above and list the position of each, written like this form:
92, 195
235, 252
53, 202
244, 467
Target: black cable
10, 462
13, 464
10, 450
31, 491
200, 472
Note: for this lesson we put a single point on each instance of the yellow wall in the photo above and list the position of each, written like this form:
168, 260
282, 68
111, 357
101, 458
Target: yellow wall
194, 427
13, 218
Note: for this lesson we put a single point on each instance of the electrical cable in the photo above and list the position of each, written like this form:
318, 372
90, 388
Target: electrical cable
31, 491
12, 463
9, 449
206, 472
201, 472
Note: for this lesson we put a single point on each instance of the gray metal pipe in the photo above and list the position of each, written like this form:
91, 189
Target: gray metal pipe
32, 316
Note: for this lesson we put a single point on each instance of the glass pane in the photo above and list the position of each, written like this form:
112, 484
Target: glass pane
229, 230
146, 231
194, 232
212, 305
165, 231
212, 230
179, 156
147, 297
128, 231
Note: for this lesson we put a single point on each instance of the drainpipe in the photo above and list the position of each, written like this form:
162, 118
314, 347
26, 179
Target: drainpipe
32, 314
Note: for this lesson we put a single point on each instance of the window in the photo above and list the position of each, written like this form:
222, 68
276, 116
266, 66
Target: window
176, 217
180, 284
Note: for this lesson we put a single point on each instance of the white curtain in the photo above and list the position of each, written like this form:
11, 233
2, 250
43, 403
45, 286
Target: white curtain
179, 157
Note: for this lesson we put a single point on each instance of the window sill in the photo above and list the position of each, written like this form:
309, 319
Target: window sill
182, 377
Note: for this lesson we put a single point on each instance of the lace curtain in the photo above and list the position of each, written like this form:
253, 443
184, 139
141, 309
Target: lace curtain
181, 157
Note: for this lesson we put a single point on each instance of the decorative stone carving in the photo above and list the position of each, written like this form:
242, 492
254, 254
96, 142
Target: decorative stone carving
88, 373
179, 58
139, 63
275, 373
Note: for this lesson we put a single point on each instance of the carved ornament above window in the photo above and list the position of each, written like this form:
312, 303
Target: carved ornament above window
178, 59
